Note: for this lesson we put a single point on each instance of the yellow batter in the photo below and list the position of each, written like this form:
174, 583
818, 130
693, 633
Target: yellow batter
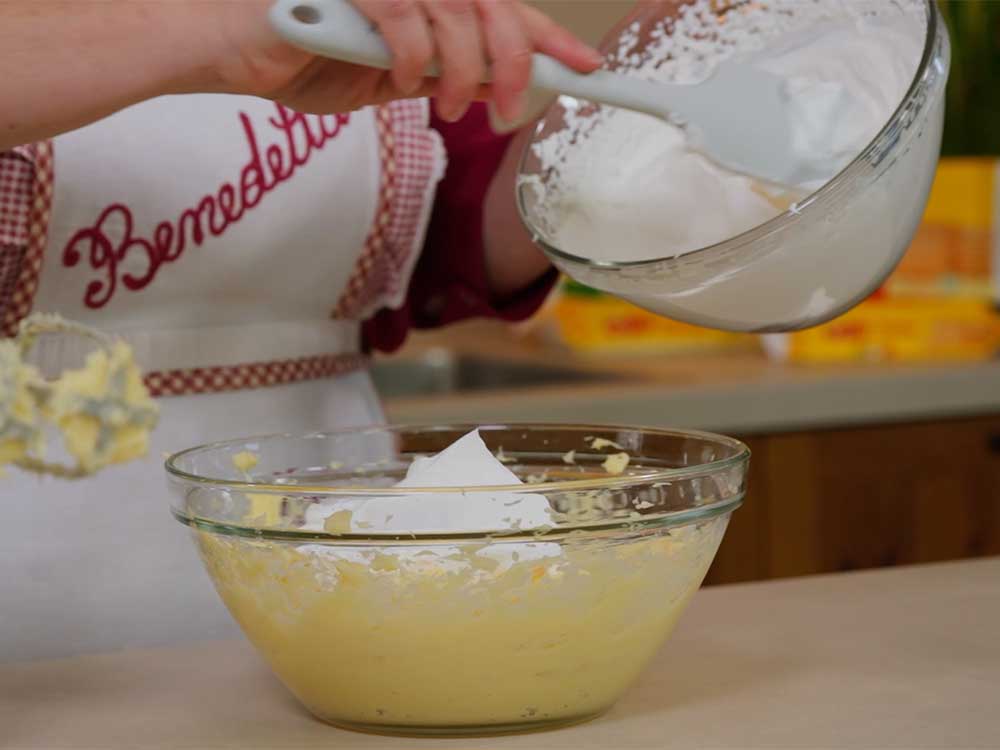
439, 638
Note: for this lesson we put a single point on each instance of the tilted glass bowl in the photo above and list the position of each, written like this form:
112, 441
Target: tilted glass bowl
465, 630
809, 264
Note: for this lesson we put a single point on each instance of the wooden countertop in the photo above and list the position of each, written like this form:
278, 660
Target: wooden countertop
738, 392
901, 658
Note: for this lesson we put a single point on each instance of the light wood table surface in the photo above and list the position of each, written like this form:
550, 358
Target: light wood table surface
901, 658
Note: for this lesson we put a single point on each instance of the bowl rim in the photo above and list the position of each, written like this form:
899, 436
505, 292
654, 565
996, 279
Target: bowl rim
934, 25
649, 522
741, 454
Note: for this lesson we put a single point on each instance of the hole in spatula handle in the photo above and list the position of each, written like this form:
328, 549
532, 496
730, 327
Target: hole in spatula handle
307, 14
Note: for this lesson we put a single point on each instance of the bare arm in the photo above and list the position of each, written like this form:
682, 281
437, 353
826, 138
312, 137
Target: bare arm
67, 63
513, 260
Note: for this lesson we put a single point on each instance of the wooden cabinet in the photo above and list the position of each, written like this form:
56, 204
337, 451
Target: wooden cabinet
834, 500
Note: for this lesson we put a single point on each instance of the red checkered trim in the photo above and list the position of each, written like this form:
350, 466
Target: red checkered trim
198, 380
11, 257
17, 178
406, 150
26, 183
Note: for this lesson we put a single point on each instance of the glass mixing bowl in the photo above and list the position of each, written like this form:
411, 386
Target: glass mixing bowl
805, 266
468, 630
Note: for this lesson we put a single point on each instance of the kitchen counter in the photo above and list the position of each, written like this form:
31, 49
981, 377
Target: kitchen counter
901, 658
741, 393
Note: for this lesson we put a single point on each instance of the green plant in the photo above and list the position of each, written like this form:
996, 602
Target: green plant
972, 124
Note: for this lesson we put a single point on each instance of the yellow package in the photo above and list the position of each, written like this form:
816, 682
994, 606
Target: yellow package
587, 320
900, 330
939, 304
955, 248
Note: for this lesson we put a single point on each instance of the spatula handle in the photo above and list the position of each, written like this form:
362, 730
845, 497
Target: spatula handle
336, 29
331, 28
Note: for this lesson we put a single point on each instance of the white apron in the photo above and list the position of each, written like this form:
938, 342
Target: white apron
236, 245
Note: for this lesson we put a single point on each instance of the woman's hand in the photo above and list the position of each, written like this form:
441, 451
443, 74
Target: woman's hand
67, 63
465, 37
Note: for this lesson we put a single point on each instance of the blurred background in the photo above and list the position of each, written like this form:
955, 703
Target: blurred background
876, 437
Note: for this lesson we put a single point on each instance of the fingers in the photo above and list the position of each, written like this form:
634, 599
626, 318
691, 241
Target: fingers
465, 36
509, 49
549, 38
459, 45
385, 90
407, 32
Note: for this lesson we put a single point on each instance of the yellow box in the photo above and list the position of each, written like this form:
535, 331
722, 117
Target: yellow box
903, 330
939, 303
590, 321
953, 252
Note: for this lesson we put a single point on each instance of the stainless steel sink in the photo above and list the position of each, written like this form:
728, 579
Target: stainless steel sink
441, 372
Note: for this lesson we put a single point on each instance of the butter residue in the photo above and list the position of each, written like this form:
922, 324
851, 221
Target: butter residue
245, 461
598, 443
503, 457
338, 522
20, 417
102, 410
616, 463
263, 509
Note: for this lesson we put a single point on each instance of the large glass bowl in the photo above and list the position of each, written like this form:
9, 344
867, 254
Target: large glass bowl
805, 266
466, 630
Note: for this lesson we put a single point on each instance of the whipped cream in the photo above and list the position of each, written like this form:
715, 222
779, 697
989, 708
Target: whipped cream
465, 463
627, 186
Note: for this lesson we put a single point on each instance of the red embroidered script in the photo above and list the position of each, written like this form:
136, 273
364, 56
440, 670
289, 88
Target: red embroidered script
111, 238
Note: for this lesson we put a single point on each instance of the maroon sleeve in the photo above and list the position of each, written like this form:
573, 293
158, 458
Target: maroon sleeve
449, 282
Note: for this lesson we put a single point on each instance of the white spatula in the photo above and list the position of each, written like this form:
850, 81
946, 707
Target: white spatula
738, 117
